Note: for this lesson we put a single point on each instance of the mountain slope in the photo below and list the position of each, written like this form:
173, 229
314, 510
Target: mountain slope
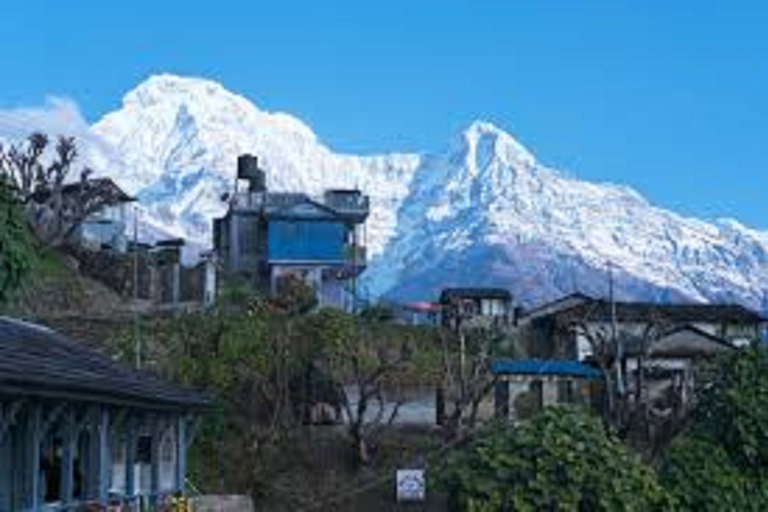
181, 138
483, 212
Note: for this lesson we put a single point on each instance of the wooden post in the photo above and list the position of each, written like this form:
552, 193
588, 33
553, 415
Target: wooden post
103, 464
5, 471
157, 436
130, 456
68, 457
181, 452
33, 450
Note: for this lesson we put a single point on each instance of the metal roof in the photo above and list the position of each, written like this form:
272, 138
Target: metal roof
36, 361
544, 367
474, 293
595, 309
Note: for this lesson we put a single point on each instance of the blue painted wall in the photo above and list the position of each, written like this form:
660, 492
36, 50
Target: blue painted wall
307, 241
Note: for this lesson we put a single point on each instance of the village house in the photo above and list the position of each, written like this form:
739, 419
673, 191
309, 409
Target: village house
79, 430
522, 386
105, 226
466, 308
659, 347
271, 236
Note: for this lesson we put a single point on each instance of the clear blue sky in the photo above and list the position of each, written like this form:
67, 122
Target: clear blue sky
668, 96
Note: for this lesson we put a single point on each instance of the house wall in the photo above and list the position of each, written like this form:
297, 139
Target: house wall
300, 241
584, 349
551, 391
39, 436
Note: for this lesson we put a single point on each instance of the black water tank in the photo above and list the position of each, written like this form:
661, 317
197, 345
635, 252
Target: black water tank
248, 169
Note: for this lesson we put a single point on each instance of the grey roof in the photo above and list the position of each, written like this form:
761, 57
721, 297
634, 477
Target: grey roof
449, 294
595, 309
683, 342
36, 361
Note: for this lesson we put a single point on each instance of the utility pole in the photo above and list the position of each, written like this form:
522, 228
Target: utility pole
616, 341
136, 333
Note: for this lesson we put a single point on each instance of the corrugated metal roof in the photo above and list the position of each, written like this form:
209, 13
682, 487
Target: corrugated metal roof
595, 309
554, 367
37, 361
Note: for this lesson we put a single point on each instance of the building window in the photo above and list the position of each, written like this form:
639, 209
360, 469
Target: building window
565, 391
144, 450
501, 398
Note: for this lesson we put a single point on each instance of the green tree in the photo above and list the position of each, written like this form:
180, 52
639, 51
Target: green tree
16, 250
563, 459
733, 411
721, 461
701, 477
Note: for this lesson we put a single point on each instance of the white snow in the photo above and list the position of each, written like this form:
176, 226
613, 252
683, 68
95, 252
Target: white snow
482, 212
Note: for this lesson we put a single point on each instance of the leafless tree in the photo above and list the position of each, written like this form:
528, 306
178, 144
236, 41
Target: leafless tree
608, 352
467, 377
371, 368
54, 206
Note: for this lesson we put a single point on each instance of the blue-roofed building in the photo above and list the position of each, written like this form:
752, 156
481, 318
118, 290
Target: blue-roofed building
523, 385
268, 236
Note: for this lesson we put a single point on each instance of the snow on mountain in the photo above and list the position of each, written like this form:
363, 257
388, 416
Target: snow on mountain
181, 138
484, 212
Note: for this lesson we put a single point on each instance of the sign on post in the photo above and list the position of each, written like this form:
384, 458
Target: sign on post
411, 485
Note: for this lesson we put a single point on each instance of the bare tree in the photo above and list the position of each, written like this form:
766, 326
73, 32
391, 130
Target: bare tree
55, 207
608, 352
370, 369
467, 377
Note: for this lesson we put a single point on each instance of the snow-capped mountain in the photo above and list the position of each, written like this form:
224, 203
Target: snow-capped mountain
484, 212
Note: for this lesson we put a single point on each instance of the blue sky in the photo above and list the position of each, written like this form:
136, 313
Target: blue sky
666, 96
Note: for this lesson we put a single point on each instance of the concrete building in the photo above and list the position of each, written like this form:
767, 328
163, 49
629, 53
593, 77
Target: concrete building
465, 308
269, 236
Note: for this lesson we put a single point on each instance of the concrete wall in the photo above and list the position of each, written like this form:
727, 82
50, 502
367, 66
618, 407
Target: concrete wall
234, 503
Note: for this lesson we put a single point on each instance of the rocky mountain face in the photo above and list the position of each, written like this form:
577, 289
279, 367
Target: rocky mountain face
483, 212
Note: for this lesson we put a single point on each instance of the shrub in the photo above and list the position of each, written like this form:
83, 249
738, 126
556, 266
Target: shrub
701, 477
563, 459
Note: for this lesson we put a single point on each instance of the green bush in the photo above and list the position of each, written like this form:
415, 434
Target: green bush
701, 477
733, 411
16, 249
563, 459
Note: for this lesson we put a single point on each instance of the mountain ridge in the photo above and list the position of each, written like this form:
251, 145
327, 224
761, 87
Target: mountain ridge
484, 211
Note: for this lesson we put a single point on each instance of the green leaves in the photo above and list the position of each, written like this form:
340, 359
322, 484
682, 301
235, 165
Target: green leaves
16, 249
701, 477
733, 411
721, 463
563, 459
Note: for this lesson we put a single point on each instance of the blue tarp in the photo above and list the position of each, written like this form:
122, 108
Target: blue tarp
555, 367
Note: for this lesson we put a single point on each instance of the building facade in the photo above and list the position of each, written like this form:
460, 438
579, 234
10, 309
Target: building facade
80, 431
465, 308
272, 236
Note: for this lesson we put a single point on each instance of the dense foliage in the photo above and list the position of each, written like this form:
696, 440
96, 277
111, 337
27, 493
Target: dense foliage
563, 459
16, 250
701, 477
721, 462
268, 369
733, 411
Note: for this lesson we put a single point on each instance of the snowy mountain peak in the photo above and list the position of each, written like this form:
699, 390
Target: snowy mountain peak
158, 88
484, 212
485, 141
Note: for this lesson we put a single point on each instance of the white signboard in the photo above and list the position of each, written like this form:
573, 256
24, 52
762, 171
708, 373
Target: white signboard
411, 485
